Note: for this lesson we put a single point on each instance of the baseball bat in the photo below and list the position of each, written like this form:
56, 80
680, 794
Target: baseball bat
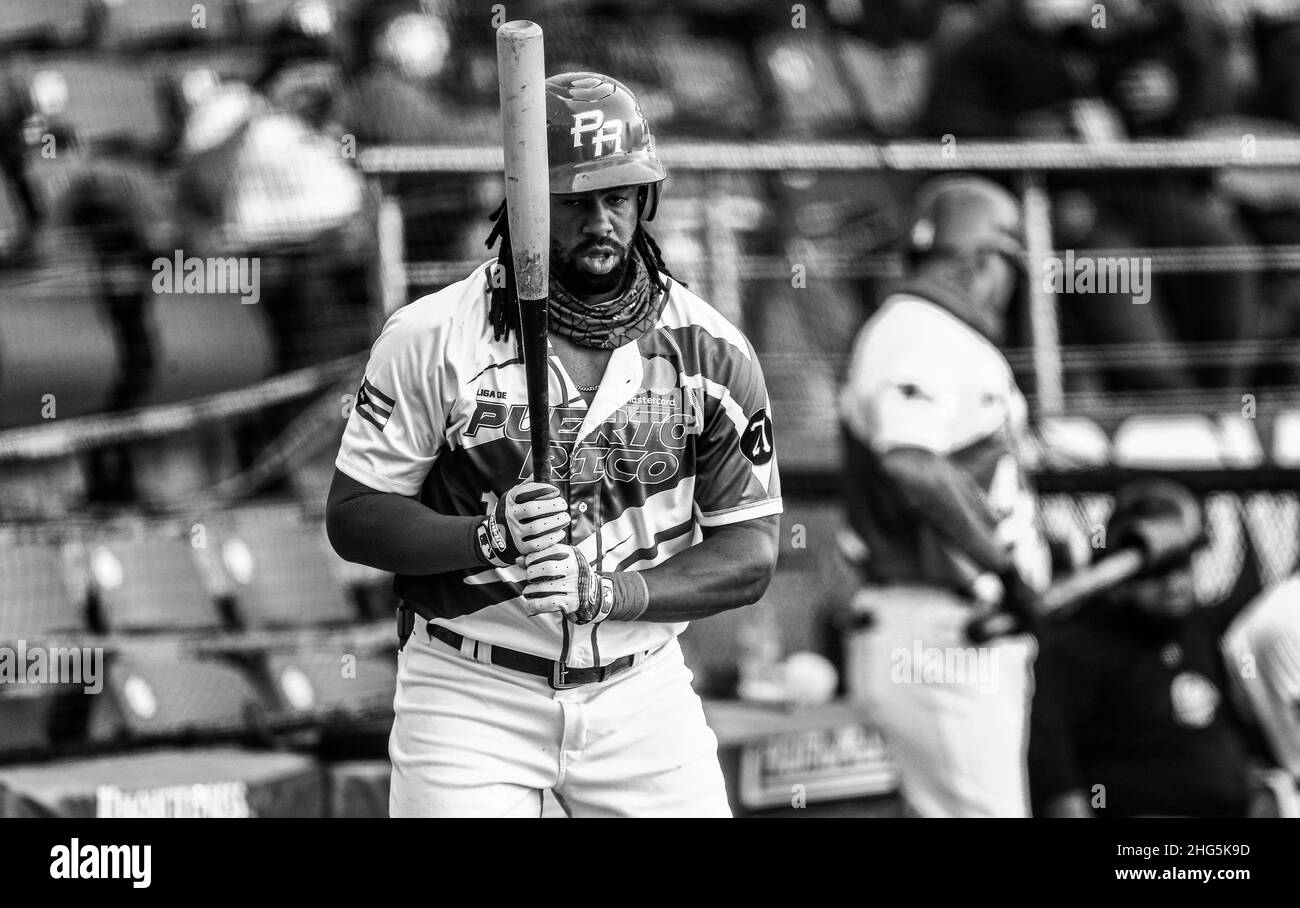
1062, 600
521, 70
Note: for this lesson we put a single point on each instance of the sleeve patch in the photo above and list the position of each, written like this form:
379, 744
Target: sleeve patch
373, 405
756, 441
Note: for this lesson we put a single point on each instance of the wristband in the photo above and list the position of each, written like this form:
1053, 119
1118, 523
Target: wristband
490, 542
631, 597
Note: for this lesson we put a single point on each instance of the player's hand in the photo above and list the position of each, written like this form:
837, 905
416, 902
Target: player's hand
561, 579
531, 517
1009, 605
1020, 600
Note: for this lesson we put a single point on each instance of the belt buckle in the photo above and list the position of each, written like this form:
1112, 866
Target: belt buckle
559, 676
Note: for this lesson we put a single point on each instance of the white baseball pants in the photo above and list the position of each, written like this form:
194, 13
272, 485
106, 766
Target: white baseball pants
474, 739
954, 715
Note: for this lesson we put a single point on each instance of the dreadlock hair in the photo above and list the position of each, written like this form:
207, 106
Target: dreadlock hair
503, 313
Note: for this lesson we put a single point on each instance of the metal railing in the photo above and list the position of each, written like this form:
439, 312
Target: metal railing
1030, 161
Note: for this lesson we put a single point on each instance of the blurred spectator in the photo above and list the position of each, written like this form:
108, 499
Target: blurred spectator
1069, 69
261, 182
262, 175
411, 85
1129, 715
403, 91
305, 75
1277, 35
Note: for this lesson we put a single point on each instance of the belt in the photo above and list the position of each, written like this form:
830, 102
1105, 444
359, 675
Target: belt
560, 675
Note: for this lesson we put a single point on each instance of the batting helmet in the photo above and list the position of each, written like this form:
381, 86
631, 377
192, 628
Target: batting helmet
597, 138
965, 214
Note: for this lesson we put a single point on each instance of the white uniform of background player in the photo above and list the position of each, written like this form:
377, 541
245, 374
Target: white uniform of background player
1262, 648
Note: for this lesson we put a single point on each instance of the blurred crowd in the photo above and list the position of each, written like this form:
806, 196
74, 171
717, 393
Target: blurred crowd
136, 128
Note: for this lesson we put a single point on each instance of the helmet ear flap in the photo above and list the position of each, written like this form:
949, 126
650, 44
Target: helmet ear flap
648, 200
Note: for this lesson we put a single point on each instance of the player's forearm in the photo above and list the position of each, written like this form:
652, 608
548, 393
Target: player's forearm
730, 568
947, 500
395, 533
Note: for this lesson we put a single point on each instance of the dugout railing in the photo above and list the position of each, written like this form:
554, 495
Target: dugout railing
1027, 162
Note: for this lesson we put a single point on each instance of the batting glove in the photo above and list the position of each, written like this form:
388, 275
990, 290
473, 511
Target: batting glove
530, 518
562, 580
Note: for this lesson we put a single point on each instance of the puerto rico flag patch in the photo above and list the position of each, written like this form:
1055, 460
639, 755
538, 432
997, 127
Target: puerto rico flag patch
373, 405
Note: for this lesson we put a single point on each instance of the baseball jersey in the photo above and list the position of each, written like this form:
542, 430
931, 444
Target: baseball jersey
678, 437
1262, 648
921, 377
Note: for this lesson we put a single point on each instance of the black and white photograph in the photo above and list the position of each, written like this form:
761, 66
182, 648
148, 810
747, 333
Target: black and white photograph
848, 409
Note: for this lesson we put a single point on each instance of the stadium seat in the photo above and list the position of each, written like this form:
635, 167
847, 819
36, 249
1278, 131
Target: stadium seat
13, 220
151, 584
358, 788
98, 101
330, 686
1286, 439
117, 204
281, 576
1074, 441
157, 695
1239, 441
35, 596
52, 488
25, 716
54, 316
128, 24
173, 468
1167, 441
204, 343
58, 23
35, 601
280, 571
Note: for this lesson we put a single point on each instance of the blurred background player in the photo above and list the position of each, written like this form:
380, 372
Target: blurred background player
1130, 714
938, 509
1262, 651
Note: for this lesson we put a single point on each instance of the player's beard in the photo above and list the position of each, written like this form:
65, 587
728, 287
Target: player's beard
566, 267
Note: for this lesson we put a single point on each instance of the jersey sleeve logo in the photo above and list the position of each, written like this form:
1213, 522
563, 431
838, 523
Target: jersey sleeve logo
756, 441
373, 405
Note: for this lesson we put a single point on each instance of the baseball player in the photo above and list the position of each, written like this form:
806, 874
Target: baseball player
939, 516
1262, 648
547, 654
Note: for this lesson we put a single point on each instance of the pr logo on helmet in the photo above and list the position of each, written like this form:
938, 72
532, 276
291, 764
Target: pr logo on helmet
604, 132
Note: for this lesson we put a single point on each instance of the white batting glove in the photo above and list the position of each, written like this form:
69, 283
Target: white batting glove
532, 517
560, 579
